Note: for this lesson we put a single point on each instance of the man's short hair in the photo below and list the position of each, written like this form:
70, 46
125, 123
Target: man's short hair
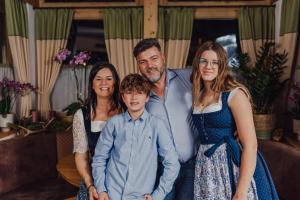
145, 44
135, 82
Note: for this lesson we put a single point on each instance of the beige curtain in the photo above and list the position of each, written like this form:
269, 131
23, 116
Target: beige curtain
175, 27
52, 30
256, 27
17, 30
123, 29
289, 28
120, 55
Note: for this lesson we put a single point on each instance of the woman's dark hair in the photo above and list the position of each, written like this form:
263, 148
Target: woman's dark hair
91, 100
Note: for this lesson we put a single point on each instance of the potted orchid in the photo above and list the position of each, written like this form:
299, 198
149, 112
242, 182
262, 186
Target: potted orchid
10, 90
79, 60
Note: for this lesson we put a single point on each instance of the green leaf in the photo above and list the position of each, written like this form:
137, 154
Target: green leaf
72, 108
264, 78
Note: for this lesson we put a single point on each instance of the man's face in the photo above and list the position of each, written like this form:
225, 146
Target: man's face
151, 63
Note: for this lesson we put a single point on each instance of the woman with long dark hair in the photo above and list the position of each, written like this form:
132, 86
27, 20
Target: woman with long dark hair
103, 102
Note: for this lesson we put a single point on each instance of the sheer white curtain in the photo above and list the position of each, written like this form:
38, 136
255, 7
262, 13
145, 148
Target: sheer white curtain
64, 92
6, 72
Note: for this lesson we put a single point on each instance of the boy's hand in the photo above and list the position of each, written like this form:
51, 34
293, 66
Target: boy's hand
103, 196
147, 197
93, 193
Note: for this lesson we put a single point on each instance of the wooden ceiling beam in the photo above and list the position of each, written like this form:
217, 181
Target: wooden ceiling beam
34, 3
200, 13
150, 18
216, 3
88, 14
43, 4
216, 13
138, 3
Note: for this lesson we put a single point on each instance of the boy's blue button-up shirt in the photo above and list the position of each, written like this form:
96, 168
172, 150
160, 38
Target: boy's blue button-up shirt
175, 110
125, 160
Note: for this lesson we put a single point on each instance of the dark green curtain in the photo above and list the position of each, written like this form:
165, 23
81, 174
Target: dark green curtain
123, 29
52, 31
175, 27
256, 26
289, 34
17, 30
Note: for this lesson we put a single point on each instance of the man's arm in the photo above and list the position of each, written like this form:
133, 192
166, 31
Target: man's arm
101, 156
170, 162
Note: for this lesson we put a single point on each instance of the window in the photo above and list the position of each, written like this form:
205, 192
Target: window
224, 32
84, 36
89, 36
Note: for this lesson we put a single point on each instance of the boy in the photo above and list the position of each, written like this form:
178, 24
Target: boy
125, 160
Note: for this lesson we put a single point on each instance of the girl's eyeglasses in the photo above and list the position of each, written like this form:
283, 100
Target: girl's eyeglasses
204, 62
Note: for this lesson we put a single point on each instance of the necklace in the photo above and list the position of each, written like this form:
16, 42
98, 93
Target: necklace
207, 100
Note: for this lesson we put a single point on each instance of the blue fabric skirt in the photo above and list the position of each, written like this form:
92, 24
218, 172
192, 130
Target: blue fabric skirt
82, 194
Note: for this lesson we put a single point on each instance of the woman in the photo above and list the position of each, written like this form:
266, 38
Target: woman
102, 103
225, 169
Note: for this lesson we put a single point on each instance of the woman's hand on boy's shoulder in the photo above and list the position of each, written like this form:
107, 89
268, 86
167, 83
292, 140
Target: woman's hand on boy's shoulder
103, 196
147, 197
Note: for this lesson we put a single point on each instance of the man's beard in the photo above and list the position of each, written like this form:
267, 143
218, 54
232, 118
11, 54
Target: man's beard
155, 77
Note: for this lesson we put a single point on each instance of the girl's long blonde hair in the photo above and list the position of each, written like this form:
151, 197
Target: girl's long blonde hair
223, 82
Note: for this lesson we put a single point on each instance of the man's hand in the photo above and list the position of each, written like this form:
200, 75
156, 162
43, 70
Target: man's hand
147, 197
103, 196
93, 193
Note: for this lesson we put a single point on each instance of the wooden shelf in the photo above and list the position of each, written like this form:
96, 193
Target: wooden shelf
7, 135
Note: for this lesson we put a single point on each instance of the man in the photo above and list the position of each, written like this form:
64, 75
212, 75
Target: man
171, 100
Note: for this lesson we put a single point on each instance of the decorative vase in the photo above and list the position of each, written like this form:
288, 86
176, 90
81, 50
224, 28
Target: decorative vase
264, 125
4, 119
296, 126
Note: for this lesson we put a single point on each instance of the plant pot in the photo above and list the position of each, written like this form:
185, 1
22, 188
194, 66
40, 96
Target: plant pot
296, 126
4, 119
64, 117
264, 125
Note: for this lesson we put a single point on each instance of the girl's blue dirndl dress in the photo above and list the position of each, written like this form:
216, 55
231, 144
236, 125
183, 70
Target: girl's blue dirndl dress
219, 156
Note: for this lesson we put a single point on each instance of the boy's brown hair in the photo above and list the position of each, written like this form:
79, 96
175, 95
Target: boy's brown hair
135, 82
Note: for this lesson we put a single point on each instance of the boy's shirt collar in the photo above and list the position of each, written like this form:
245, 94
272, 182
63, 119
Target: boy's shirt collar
143, 117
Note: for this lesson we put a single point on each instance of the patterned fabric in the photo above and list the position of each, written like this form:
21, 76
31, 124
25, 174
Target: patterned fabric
80, 138
209, 182
82, 192
85, 138
218, 159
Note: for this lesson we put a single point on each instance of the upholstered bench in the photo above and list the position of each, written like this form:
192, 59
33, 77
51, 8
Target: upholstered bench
284, 165
28, 166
